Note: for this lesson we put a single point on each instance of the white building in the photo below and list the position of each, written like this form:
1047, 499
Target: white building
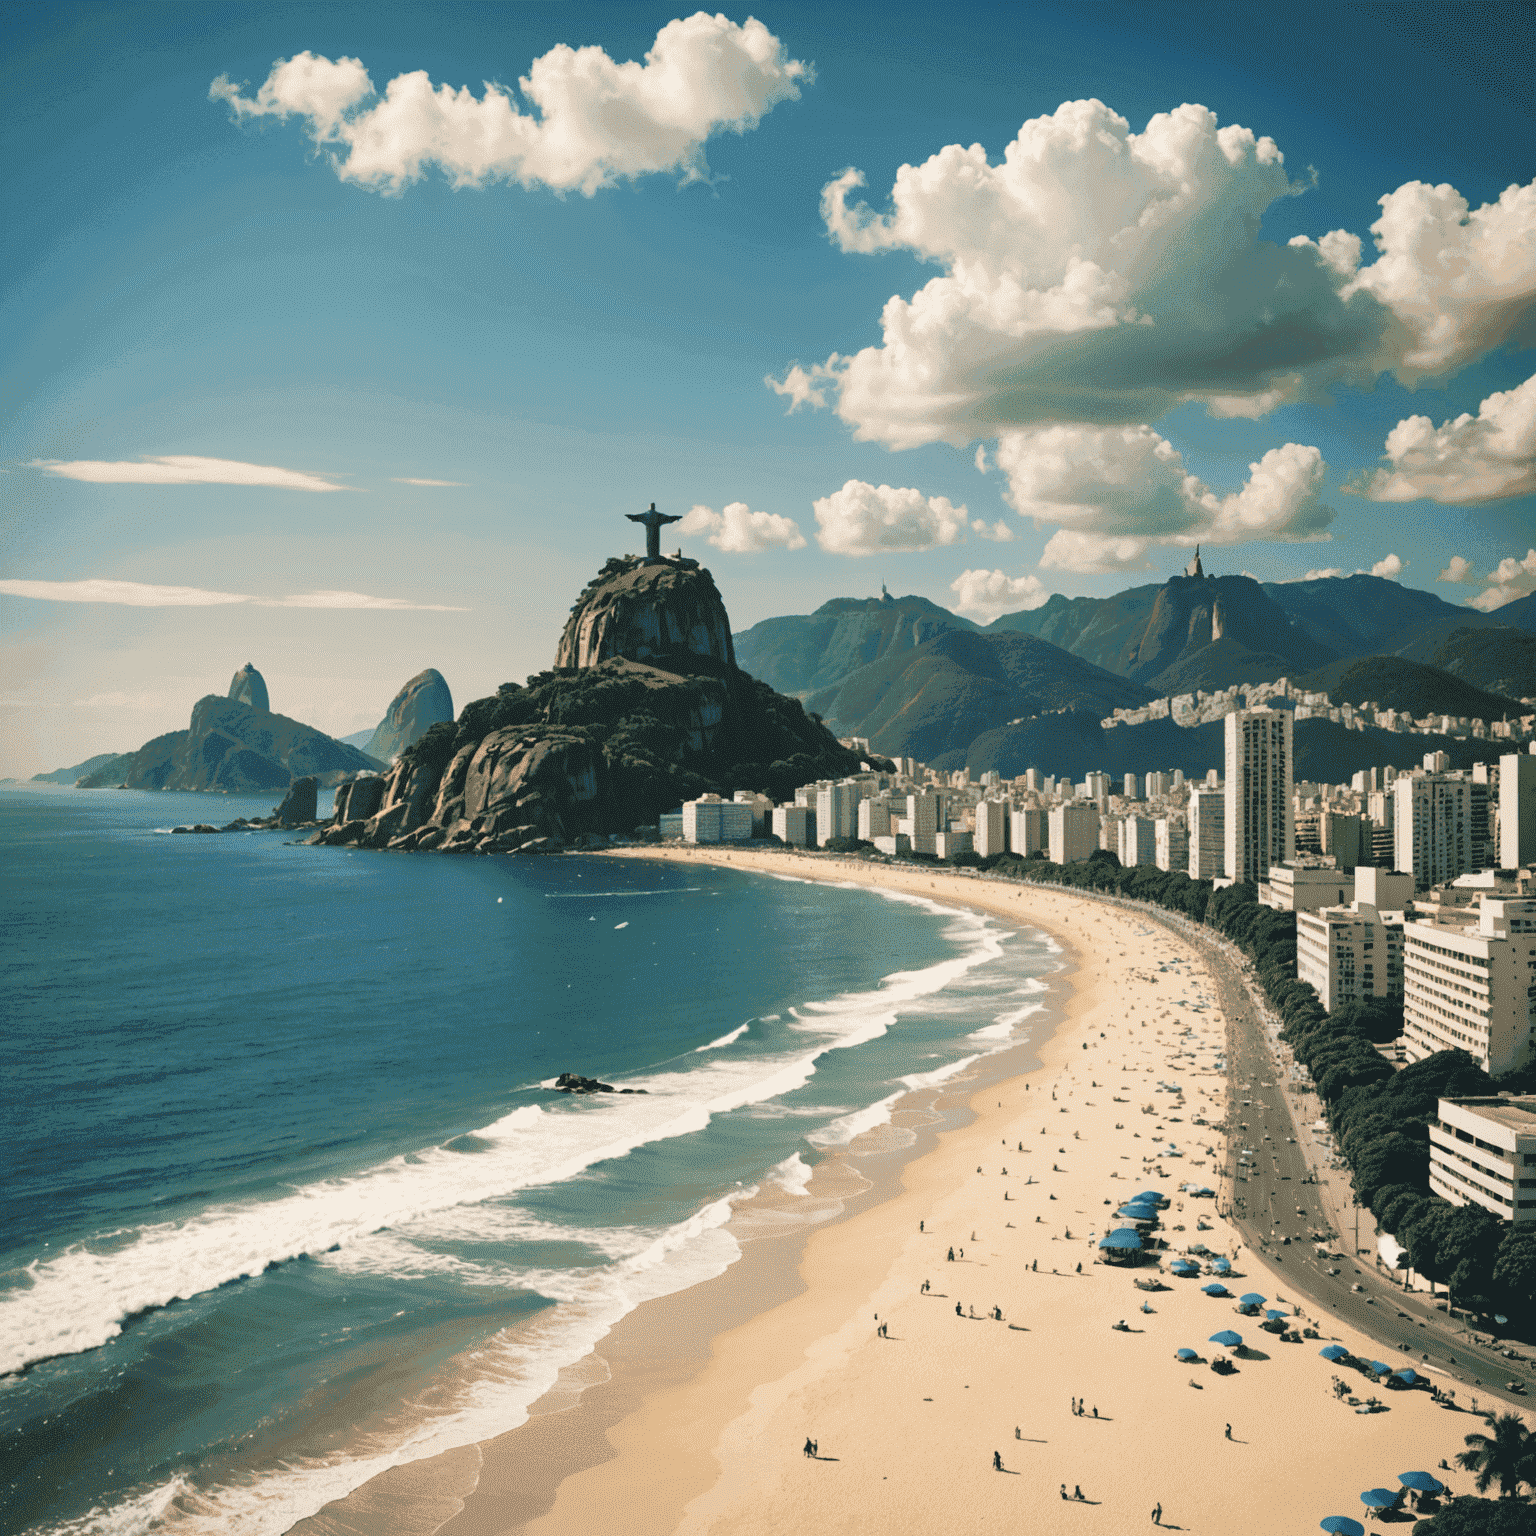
925, 811
762, 810
1469, 983
1172, 843
1026, 830
1130, 787
837, 812
1157, 785
991, 827
1207, 833
948, 845
1384, 889
709, 819
794, 825
1292, 889
874, 818
1260, 830
1138, 841
1483, 1152
1073, 833
1350, 954
1517, 810
1432, 828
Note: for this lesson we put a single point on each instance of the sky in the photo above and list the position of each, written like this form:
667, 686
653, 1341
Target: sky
340, 339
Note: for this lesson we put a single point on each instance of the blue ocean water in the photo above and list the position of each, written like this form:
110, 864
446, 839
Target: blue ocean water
287, 1196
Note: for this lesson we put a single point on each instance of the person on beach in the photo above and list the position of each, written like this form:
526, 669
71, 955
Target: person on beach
950, 1256
809, 1450
1157, 1513
1077, 1493
924, 1290
997, 1461
1229, 1431
1018, 1434
1063, 1490
959, 1311
1074, 1407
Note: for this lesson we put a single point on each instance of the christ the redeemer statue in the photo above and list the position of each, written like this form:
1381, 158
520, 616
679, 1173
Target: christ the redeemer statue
653, 521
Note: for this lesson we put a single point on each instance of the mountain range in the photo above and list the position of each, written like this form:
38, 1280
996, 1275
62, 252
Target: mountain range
918, 680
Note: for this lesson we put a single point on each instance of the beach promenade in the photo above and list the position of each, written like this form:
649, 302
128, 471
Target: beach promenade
914, 1374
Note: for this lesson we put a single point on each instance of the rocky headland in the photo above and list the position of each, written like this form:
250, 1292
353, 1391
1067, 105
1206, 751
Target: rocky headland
423, 702
645, 708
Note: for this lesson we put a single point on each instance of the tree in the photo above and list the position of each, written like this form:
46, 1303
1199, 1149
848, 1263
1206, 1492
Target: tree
1514, 1272
1506, 1457
1467, 1516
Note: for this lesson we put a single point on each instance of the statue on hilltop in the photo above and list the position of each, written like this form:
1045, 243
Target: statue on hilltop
653, 522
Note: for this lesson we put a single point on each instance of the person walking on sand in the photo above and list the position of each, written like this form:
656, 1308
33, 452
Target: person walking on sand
1018, 1434
1229, 1431
1063, 1490
959, 1310
809, 1449
950, 1256
1157, 1513
997, 1461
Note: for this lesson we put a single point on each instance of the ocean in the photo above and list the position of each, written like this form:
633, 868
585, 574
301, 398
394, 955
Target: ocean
288, 1194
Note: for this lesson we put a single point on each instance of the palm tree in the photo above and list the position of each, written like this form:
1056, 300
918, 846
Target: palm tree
1507, 1456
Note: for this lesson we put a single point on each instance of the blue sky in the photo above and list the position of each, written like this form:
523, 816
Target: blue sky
198, 286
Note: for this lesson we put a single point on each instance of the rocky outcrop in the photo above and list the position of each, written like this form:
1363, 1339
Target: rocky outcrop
664, 612
599, 748
299, 803
248, 686
237, 749
424, 702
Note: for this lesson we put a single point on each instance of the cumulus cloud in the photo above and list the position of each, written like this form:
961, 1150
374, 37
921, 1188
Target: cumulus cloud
1487, 457
999, 532
403, 480
1389, 567
864, 519
1509, 579
740, 531
590, 122
1101, 276
1327, 573
185, 469
139, 594
1459, 569
804, 386
1116, 491
986, 594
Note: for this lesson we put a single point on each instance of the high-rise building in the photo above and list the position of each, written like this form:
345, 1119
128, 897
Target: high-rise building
874, 818
1350, 954
1074, 833
837, 809
1026, 830
1467, 983
1157, 785
709, 819
1034, 779
795, 825
1260, 830
991, 835
1482, 1151
1207, 833
1517, 810
1138, 842
1343, 836
1172, 843
1432, 827
1129, 787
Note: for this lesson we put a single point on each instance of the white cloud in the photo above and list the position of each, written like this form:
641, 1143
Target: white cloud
1487, 457
1389, 567
804, 386
1101, 276
864, 519
737, 530
1116, 491
1327, 573
999, 532
138, 594
1459, 569
402, 480
1509, 579
185, 469
592, 123
986, 594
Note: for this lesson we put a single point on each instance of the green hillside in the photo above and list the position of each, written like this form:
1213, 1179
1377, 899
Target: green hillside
1397, 683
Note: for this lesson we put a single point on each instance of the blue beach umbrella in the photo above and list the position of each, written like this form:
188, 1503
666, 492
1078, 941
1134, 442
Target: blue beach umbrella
1188, 1354
1253, 1299
1378, 1369
1183, 1267
1378, 1498
1407, 1377
1125, 1239
1221, 1266
1421, 1482
1342, 1525
1150, 1194
1227, 1339
1334, 1352
1273, 1313
1213, 1289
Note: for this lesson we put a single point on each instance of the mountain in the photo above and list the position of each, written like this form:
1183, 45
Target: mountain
803, 653
248, 686
604, 743
1521, 613
1501, 660
233, 747
359, 739
422, 703
91, 765
1364, 615
1191, 632
931, 701
1397, 683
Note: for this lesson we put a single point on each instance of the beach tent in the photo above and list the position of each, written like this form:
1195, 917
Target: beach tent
1342, 1525
1188, 1354
1123, 1238
1421, 1482
1379, 1498
1221, 1266
1253, 1299
1227, 1339
1376, 1368
1407, 1377
1334, 1352
1215, 1289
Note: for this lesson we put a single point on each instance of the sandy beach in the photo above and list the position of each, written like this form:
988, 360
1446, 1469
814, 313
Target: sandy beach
912, 1371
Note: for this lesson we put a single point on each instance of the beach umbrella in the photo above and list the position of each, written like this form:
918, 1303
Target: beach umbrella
1342, 1525
1274, 1313
1407, 1377
1221, 1266
1253, 1299
1227, 1339
1421, 1482
1213, 1289
1184, 1267
1188, 1354
1124, 1238
1378, 1369
1378, 1498
1334, 1352
1150, 1194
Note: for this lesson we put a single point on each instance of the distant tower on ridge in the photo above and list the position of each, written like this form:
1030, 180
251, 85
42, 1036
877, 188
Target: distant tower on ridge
1194, 568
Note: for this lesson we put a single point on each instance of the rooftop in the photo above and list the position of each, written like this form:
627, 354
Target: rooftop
1514, 1114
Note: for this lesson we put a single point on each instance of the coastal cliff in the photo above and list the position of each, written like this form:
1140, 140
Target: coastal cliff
644, 709
422, 703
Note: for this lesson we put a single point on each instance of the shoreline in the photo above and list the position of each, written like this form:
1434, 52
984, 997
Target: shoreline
709, 1392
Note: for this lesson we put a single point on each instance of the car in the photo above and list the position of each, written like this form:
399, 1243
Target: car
1357, 1287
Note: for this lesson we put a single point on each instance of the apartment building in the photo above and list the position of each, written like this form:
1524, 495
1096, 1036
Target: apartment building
1432, 827
1172, 838
1350, 954
1073, 833
1260, 827
991, 835
1026, 830
1137, 841
709, 819
1517, 810
1482, 1151
1207, 833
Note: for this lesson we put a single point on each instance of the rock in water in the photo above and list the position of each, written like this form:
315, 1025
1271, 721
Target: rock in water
661, 613
249, 687
424, 702
299, 803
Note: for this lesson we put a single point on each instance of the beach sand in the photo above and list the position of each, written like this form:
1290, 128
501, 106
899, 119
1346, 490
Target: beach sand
708, 1435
